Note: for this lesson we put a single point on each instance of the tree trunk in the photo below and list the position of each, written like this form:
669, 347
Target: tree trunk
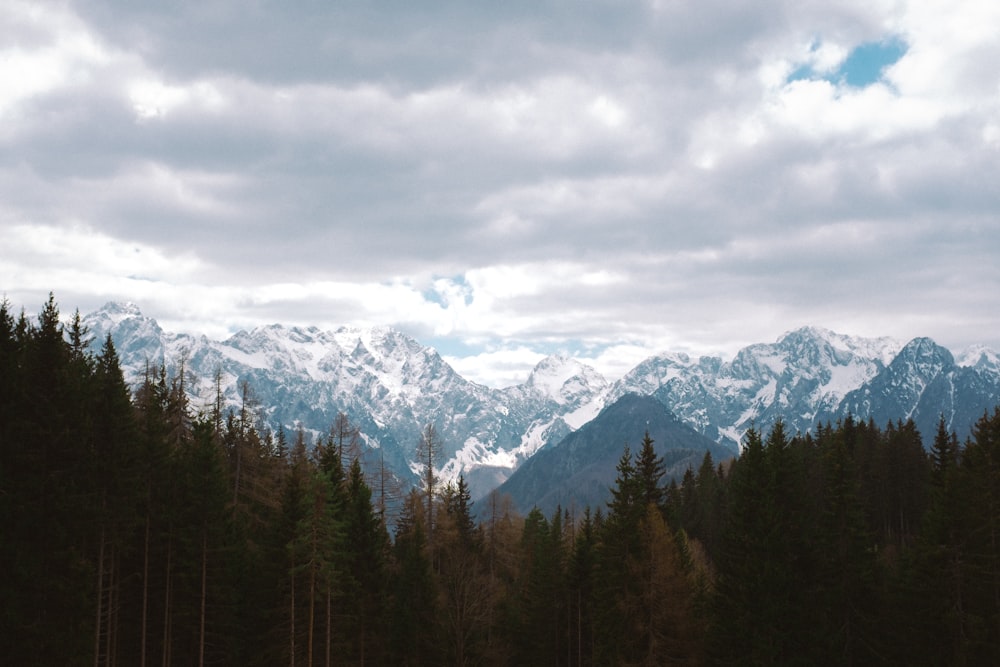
166, 608
100, 601
312, 614
111, 638
292, 619
204, 579
145, 596
329, 625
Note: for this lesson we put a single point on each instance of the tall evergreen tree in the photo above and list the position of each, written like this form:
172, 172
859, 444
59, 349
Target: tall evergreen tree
649, 471
414, 598
751, 608
536, 635
366, 546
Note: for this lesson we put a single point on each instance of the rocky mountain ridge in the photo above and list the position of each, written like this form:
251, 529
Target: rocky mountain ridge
391, 386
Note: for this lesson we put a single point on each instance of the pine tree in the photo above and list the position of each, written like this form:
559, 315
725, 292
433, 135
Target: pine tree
844, 599
944, 454
366, 547
581, 571
117, 491
979, 491
619, 543
537, 634
414, 597
749, 611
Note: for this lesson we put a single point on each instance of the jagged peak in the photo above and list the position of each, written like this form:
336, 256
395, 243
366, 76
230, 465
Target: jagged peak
122, 307
558, 366
553, 361
979, 356
882, 348
811, 331
923, 351
672, 359
924, 346
564, 379
118, 310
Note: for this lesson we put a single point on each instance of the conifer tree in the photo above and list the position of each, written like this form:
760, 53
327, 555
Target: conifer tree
581, 571
649, 471
979, 521
414, 598
366, 544
748, 613
116, 493
537, 635
844, 599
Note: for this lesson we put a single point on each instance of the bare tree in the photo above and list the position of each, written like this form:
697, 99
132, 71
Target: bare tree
428, 452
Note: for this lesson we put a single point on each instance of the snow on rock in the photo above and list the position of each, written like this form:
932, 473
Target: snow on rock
391, 386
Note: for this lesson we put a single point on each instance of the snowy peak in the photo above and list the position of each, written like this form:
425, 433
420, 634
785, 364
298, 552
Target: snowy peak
391, 386
804, 373
922, 359
114, 314
387, 383
565, 380
839, 346
981, 358
138, 339
924, 383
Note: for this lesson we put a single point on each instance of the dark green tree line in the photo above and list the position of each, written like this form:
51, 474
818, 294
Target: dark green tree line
139, 531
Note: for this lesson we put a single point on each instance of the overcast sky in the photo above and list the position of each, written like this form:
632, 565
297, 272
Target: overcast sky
505, 180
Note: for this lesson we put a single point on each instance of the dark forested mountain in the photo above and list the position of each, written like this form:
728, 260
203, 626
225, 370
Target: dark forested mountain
391, 386
579, 470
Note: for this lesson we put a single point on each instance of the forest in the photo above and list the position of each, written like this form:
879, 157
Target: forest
138, 530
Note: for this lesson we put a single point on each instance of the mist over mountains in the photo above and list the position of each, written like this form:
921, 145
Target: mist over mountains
391, 386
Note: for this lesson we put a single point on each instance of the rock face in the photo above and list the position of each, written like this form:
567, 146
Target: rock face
387, 383
391, 386
924, 383
804, 375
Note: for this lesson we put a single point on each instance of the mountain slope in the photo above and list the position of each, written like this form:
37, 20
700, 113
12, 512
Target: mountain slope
387, 383
924, 383
805, 373
578, 471
391, 386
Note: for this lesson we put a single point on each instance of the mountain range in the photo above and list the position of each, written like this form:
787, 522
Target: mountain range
391, 386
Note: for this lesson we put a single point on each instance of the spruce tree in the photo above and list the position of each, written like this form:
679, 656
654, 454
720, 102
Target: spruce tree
414, 598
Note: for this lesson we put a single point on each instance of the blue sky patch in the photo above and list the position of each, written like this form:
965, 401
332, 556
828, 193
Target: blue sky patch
433, 295
866, 63
862, 67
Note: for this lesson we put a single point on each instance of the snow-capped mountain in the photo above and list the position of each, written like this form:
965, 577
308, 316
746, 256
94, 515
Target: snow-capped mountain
388, 384
804, 374
391, 386
924, 383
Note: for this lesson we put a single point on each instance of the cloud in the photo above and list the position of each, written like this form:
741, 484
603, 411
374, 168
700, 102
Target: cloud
511, 180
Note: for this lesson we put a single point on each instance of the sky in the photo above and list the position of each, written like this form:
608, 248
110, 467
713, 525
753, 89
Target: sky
503, 181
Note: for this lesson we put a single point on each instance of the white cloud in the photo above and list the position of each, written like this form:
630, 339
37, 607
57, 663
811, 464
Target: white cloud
80, 249
613, 181
497, 368
151, 98
47, 49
